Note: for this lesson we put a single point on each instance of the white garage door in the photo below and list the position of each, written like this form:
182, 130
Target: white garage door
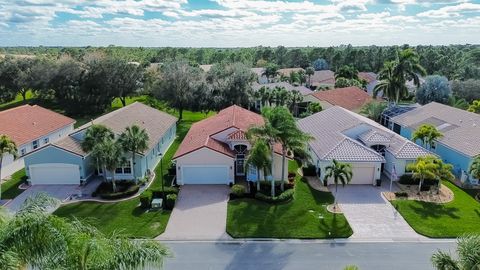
54, 174
205, 175
363, 174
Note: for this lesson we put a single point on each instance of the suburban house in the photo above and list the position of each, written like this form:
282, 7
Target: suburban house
351, 98
461, 133
349, 137
286, 71
261, 78
371, 79
215, 150
323, 79
31, 127
64, 161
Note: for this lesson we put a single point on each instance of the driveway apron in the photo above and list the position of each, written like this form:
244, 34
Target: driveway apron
60, 192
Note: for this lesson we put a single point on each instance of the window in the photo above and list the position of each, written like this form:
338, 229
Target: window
46, 140
433, 146
23, 151
35, 144
125, 169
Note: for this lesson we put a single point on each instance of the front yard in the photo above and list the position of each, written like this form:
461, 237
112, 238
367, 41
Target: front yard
453, 219
10, 188
127, 216
304, 217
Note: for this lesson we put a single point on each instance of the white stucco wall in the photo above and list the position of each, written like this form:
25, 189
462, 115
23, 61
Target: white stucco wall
400, 165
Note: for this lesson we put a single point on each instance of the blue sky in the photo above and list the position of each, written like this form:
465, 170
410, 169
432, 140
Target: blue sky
238, 23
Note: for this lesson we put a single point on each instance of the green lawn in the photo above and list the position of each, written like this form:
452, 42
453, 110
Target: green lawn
10, 188
17, 101
127, 216
453, 219
304, 217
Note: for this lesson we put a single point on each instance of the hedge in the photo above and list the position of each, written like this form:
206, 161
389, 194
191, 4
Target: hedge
146, 199
157, 193
130, 191
287, 195
170, 203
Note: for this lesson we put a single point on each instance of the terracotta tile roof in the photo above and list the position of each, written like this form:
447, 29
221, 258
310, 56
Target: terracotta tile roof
351, 98
323, 77
238, 135
27, 123
367, 76
200, 134
155, 122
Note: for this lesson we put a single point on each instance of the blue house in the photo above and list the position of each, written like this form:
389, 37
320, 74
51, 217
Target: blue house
64, 161
461, 134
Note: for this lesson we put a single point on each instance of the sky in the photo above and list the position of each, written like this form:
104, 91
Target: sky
238, 23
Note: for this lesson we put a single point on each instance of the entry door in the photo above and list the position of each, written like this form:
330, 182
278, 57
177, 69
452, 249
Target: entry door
240, 165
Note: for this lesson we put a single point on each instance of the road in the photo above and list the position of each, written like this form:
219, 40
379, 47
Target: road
303, 255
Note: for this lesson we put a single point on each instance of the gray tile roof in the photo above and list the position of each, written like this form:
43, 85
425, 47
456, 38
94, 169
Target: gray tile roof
155, 122
460, 129
70, 144
330, 127
302, 89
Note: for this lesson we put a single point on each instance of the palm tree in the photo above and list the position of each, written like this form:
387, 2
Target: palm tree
295, 98
430, 167
408, 67
467, 253
392, 88
135, 140
340, 172
309, 72
347, 72
457, 102
281, 96
374, 110
33, 237
271, 70
474, 169
259, 157
427, 134
7, 147
94, 135
109, 154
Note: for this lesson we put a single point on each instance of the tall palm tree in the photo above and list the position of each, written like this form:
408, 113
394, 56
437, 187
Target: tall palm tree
295, 98
7, 147
474, 169
390, 85
96, 134
374, 110
33, 237
428, 134
134, 140
340, 172
467, 253
309, 72
408, 67
259, 157
109, 154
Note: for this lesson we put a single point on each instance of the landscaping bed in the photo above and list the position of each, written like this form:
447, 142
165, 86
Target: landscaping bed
124, 189
453, 219
408, 192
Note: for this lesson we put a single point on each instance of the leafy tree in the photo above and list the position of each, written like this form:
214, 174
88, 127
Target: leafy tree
475, 106
459, 103
344, 82
469, 89
259, 157
340, 172
430, 167
302, 77
176, 83
7, 147
271, 71
309, 72
320, 64
312, 108
294, 77
374, 110
474, 168
33, 237
347, 72
436, 88
427, 134
134, 140
125, 78
18, 75
468, 255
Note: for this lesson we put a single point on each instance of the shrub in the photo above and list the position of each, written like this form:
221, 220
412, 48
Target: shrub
170, 203
401, 194
407, 179
287, 195
121, 194
157, 193
124, 189
238, 190
310, 170
146, 199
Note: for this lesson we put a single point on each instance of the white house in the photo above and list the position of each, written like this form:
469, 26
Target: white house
349, 137
31, 127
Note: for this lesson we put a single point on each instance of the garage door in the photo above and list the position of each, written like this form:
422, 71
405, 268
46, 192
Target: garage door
54, 174
205, 175
363, 174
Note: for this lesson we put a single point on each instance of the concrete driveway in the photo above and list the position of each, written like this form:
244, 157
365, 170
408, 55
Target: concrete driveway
371, 216
199, 214
60, 192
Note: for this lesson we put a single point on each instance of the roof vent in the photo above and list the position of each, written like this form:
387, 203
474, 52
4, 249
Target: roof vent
461, 121
34, 123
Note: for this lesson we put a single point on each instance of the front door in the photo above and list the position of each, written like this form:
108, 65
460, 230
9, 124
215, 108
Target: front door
240, 165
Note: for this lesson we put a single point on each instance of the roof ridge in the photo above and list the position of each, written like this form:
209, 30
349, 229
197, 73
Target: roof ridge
16, 107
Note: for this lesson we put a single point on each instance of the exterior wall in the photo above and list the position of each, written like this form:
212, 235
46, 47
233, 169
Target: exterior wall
204, 156
277, 171
400, 165
51, 154
9, 165
324, 163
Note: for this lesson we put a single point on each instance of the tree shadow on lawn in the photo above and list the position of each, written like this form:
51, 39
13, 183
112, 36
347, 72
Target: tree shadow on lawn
432, 210
338, 227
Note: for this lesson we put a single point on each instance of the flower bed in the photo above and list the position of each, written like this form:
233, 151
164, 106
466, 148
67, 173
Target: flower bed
124, 189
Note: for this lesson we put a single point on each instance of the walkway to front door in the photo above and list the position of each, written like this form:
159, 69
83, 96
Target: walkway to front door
200, 213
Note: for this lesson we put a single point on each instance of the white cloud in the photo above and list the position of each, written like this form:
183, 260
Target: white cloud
451, 11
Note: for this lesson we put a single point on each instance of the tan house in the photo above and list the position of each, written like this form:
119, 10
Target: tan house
286, 71
351, 98
214, 150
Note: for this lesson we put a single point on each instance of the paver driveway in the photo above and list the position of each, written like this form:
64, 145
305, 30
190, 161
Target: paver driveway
371, 216
60, 192
199, 214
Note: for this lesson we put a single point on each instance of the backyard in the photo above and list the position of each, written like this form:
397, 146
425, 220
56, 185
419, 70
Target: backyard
304, 217
127, 216
456, 218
